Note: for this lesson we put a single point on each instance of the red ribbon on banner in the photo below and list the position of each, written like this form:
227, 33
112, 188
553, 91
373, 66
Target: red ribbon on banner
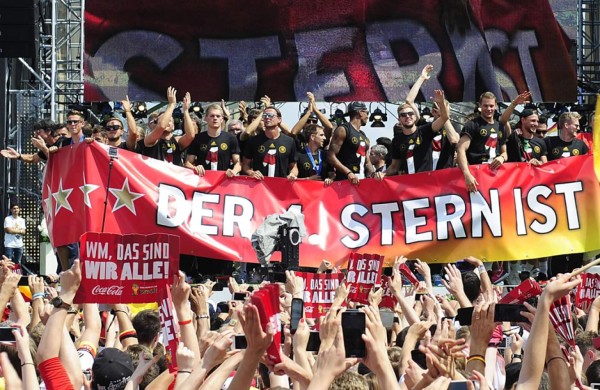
129, 268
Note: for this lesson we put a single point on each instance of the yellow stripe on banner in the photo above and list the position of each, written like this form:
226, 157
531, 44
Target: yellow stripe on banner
596, 137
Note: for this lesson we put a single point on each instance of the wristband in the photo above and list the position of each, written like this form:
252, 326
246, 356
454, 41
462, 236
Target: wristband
481, 268
24, 364
517, 356
201, 316
184, 372
349, 172
127, 334
554, 358
476, 357
185, 322
37, 295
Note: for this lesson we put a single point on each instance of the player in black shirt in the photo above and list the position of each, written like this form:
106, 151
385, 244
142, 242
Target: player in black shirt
312, 161
214, 149
566, 144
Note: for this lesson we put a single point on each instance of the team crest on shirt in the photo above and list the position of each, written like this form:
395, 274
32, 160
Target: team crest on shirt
354, 140
410, 141
261, 149
537, 149
306, 165
203, 147
403, 147
575, 152
224, 146
483, 132
282, 149
555, 151
500, 135
418, 140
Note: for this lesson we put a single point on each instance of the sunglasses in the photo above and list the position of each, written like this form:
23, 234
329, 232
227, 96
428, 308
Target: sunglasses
112, 127
541, 132
73, 122
268, 115
312, 121
406, 114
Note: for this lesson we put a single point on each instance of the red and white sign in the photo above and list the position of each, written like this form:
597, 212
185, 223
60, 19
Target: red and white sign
364, 273
129, 268
587, 291
168, 319
388, 300
319, 292
266, 300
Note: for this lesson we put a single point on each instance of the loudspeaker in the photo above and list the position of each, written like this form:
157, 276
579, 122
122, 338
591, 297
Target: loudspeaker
19, 27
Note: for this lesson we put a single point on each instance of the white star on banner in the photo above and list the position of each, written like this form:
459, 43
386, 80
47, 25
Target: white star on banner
125, 198
87, 189
61, 198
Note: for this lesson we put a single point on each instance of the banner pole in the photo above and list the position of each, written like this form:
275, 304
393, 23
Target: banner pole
113, 154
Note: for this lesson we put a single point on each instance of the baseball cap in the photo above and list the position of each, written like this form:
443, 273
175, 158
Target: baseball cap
111, 370
356, 106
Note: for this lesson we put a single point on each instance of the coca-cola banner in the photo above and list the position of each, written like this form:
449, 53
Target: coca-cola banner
370, 50
587, 291
319, 292
129, 268
170, 326
520, 211
364, 273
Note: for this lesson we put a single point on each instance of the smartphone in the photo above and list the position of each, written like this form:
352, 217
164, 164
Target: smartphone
502, 313
240, 342
353, 323
459, 385
418, 296
24, 281
6, 334
277, 277
314, 342
464, 266
387, 318
297, 312
240, 296
595, 385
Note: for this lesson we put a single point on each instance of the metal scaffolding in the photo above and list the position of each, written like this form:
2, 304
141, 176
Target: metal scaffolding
588, 49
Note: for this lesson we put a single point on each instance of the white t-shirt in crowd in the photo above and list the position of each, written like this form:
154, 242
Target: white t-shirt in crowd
13, 240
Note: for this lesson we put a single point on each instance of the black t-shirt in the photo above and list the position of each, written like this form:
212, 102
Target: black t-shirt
164, 150
414, 150
557, 148
271, 157
486, 140
214, 153
308, 167
520, 149
353, 152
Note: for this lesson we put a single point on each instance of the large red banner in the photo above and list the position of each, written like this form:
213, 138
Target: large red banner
370, 50
520, 211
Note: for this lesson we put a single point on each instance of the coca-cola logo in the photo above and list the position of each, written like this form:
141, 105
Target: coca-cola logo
111, 290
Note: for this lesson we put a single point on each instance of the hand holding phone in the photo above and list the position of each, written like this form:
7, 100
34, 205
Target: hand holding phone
353, 325
297, 313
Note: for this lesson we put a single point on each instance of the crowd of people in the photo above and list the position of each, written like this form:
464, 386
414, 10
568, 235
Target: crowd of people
59, 345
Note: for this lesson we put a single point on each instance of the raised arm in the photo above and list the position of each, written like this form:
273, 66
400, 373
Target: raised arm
505, 117
188, 124
443, 118
162, 121
131, 124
